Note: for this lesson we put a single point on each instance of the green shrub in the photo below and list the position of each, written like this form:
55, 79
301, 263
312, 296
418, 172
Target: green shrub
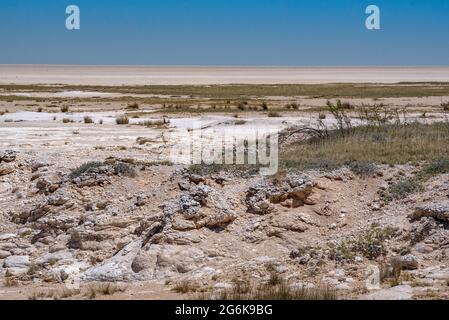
401, 189
124, 169
86, 168
363, 169
437, 167
369, 244
88, 119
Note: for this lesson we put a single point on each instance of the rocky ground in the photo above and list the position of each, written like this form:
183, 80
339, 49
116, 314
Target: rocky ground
91, 208
147, 230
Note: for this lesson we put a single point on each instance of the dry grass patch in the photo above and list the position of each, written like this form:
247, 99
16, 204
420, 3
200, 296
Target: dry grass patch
54, 294
274, 290
388, 144
185, 287
370, 243
243, 91
103, 289
10, 281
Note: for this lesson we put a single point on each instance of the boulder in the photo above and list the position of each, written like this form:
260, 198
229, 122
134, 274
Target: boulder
257, 200
221, 213
4, 254
301, 192
144, 140
172, 259
65, 272
201, 206
292, 192
5, 187
408, 262
16, 262
422, 229
8, 156
402, 292
438, 211
7, 236
117, 268
59, 198
423, 248
5, 170
51, 258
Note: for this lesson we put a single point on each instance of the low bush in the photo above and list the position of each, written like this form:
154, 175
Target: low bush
121, 120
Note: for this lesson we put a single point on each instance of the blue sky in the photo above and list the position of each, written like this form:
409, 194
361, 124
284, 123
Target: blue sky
225, 32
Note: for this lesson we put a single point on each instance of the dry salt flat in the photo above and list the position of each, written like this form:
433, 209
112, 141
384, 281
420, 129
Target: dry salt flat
178, 75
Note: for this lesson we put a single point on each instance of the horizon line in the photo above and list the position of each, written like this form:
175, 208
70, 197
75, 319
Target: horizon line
226, 65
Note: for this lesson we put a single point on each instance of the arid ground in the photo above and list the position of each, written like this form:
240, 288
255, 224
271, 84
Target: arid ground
92, 206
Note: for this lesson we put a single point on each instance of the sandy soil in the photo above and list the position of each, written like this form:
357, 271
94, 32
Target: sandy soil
138, 75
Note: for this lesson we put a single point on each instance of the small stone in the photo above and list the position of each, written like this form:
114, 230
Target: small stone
402, 292
5, 171
7, 236
103, 204
409, 262
184, 185
8, 156
4, 254
438, 211
423, 248
222, 286
196, 178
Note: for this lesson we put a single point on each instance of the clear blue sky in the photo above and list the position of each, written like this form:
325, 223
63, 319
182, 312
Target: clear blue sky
225, 32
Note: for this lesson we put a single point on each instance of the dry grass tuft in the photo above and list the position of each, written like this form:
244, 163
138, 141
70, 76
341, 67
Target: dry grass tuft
273, 114
122, 120
276, 289
133, 106
185, 287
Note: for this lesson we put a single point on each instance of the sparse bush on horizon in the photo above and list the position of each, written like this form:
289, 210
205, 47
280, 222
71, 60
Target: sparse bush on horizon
88, 119
273, 114
121, 120
133, 106
445, 106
